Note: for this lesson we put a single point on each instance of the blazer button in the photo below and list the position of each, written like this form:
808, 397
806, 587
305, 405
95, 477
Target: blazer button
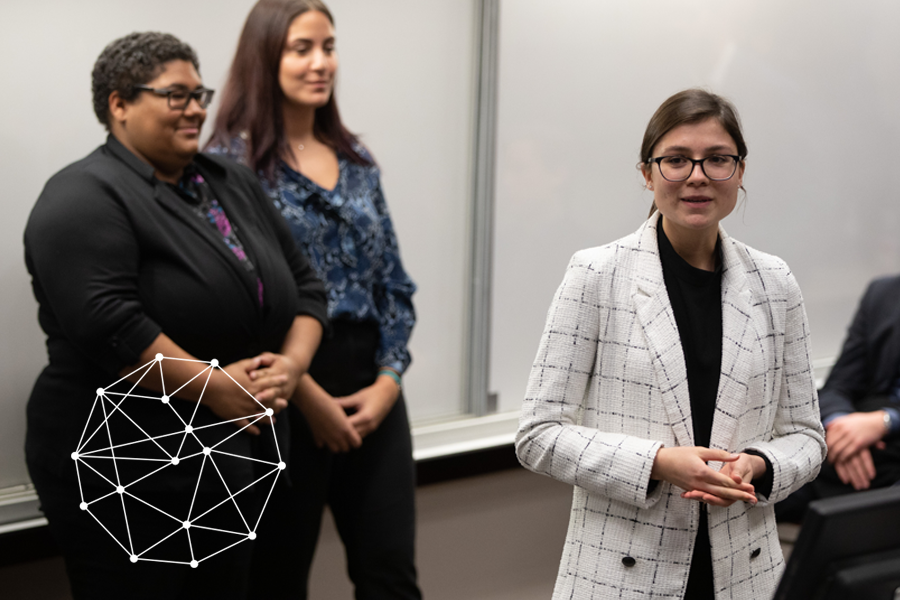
755, 553
629, 561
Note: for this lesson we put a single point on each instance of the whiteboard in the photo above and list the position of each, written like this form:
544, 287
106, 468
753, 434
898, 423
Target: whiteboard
817, 85
405, 85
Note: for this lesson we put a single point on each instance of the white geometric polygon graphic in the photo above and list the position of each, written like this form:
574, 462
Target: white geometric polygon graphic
125, 461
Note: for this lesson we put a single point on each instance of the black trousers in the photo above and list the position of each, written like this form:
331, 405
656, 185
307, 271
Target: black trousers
370, 490
99, 568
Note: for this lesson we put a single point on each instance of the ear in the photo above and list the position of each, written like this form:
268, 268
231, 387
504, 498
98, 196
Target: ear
118, 108
647, 172
740, 172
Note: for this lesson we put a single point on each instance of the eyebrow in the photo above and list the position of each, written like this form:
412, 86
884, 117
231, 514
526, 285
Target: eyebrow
307, 41
685, 149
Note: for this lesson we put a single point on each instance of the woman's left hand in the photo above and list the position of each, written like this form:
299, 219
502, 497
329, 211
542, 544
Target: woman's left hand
372, 404
742, 471
277, 373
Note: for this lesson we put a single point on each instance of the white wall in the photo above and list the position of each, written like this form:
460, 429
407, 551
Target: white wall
816, 84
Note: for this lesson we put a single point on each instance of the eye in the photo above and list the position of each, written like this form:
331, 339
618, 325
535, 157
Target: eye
675, 161
179, 95
717, 160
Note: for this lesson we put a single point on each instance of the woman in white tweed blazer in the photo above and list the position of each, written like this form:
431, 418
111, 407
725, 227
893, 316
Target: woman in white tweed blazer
680, 422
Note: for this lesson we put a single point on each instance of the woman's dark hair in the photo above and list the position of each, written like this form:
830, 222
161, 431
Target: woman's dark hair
686, 108
251, 101
135, 59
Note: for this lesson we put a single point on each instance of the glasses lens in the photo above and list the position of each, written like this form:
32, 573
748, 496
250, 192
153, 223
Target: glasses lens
204, 97
719, 167
675, 168
178, 99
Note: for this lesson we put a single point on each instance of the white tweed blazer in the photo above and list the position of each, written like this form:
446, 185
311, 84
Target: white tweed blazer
609, 388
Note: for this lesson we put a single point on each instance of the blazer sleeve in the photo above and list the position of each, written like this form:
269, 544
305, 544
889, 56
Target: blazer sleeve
850, 378
796, 448
551, 439
83, 255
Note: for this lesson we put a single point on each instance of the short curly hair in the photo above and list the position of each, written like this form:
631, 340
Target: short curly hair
133, 60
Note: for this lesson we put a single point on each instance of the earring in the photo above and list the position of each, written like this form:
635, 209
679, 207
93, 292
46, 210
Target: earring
649, 186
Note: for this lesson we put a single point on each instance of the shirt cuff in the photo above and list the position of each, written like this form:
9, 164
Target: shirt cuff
763, 485
895, 419
834, 416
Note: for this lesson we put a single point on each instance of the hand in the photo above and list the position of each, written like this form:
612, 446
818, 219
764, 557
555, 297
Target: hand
742, 471
328, 422
857, 470
685, 467
278, 374
230, 403
371, 404
849, 434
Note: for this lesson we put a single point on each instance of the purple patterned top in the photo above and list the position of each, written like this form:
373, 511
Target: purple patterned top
194, 188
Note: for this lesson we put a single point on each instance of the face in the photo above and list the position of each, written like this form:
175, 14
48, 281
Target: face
309, 61
165, 138
695, 206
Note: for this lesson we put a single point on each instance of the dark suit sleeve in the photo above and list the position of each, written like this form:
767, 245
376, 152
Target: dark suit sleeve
850, 378
83, 255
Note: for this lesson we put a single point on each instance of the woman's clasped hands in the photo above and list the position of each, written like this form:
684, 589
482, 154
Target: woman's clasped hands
685, 467
269, 378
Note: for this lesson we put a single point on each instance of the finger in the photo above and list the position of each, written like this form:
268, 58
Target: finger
347, 402
868, 466
708, 454
880, 445
843, 475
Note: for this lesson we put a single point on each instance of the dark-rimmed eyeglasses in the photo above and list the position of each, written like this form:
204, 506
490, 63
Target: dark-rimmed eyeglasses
718, 167
179, 97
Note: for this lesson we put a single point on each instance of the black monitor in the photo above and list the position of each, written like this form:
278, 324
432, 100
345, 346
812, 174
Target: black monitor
848, 549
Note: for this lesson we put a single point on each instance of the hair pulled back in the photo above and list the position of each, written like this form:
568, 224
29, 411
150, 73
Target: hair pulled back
686, 108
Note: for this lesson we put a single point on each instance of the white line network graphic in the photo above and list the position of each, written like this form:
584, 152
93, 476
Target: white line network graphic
133, 444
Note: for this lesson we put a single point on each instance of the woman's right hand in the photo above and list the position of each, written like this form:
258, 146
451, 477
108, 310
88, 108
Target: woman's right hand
330, 425
685, 467
230, 403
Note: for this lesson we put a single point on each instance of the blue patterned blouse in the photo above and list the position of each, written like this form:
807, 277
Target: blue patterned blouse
347, 235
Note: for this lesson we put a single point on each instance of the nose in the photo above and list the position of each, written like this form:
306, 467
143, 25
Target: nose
697, 174
318, 59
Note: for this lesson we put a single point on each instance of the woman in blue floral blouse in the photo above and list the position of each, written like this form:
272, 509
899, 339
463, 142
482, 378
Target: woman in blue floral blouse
351, 445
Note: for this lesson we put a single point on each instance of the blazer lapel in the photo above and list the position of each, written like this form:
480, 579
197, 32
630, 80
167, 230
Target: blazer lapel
654, 313
739, 339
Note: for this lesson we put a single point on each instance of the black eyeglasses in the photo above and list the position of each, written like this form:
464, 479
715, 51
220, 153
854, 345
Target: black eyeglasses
179, 97
718, 167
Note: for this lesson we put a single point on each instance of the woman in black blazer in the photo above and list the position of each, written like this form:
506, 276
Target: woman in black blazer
145, 248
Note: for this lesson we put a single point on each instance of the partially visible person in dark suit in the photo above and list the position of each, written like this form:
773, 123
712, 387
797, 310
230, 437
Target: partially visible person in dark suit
860, 404
145, 247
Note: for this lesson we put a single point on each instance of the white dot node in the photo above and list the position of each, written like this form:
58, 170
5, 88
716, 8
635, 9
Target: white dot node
281, 466
188, 429
74, 456
83, 506
194, 564
206, 451
120, 490
165, 399
186, 524
100, 391
159, 356
251, 535
175, 460
269, 412
133, 558
214, 362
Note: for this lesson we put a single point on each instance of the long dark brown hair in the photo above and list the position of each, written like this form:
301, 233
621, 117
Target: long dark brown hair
686, 108
252, 97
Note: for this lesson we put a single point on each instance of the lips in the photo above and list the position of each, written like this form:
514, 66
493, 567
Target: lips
696, 199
